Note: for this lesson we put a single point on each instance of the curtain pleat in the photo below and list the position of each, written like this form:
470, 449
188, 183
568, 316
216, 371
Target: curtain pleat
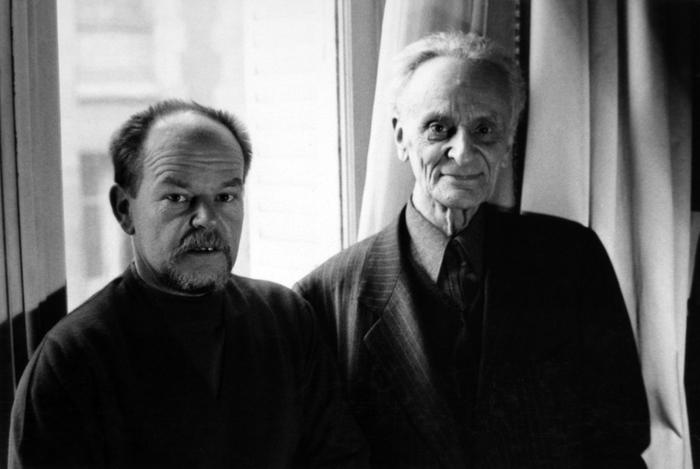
32, 271
609, 146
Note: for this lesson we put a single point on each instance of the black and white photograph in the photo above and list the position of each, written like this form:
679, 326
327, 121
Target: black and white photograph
350, 234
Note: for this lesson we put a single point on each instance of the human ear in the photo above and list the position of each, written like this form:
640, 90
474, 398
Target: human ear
119, 200
508, 155
505, 162
398, 139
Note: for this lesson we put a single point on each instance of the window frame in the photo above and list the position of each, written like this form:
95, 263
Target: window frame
358, 30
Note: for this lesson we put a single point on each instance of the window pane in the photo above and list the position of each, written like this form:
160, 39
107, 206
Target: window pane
271, 62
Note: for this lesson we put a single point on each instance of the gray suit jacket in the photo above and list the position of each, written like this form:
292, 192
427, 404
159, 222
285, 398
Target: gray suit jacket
559, 381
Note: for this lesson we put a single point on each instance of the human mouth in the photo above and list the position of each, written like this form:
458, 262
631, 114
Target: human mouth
465, 177
203, 250
202, 243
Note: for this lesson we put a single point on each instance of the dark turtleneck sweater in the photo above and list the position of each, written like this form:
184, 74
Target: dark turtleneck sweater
126, 381
196, 323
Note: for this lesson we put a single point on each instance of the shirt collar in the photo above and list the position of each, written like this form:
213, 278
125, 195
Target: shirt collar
428, 243
184, 308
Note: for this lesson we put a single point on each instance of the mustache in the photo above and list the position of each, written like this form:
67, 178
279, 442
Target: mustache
201, 240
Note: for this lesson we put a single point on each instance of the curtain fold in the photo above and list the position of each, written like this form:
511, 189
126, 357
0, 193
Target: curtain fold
32, 269
609, 140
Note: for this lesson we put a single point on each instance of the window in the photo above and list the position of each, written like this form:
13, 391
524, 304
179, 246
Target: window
271, 62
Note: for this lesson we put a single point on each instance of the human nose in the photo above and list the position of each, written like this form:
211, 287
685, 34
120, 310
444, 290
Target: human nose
460, 147
204, 216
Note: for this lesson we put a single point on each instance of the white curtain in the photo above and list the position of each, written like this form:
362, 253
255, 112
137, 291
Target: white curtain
608, 145
32, 270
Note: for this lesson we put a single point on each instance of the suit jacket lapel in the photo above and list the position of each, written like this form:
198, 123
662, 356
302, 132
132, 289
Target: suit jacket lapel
397, 343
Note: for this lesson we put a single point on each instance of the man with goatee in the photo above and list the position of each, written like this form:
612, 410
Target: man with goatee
177, 362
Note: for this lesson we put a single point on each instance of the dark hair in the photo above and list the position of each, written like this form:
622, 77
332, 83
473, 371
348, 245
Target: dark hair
127, 142
464, 46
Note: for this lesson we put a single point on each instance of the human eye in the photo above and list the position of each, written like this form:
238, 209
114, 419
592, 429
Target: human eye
437, 130
228, 197
176, 198
485, 131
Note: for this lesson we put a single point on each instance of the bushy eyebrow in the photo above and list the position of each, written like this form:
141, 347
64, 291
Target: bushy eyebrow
173, 181
233, 182
438, 116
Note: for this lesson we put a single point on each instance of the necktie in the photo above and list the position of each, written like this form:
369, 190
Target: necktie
459, 281
462, 285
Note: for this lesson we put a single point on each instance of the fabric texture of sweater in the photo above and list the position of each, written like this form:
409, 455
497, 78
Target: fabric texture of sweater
112, 386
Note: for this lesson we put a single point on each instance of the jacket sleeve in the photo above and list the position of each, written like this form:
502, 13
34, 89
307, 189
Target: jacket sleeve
616, 415
331, 437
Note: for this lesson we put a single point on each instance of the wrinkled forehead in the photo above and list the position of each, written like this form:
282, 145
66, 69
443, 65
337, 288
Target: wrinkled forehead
192, 145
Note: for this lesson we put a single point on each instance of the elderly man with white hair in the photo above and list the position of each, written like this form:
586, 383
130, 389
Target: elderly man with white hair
469, 336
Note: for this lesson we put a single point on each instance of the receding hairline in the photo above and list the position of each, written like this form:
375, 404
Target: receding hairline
198, 130
468, 47
127, 143
472, 67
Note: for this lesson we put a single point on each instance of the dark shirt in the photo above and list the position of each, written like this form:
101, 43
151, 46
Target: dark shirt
196, 323
110, 386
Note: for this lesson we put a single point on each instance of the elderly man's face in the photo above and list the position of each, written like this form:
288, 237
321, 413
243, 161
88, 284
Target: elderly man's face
453, 126
187, 214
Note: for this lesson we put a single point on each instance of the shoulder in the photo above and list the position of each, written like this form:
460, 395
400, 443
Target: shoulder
264, 292
545, 243
95, 319
345, 266
541, 225
350, 258
269, 301
544, 232
271, 312
79, 343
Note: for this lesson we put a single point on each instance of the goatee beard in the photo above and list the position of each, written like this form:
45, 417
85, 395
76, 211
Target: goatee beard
193, 283
197, 283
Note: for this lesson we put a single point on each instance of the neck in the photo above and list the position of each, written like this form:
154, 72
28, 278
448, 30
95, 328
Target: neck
448, 220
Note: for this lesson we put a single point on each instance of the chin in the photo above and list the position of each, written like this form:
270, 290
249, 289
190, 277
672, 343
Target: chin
196, 283
460, 203
459, 199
